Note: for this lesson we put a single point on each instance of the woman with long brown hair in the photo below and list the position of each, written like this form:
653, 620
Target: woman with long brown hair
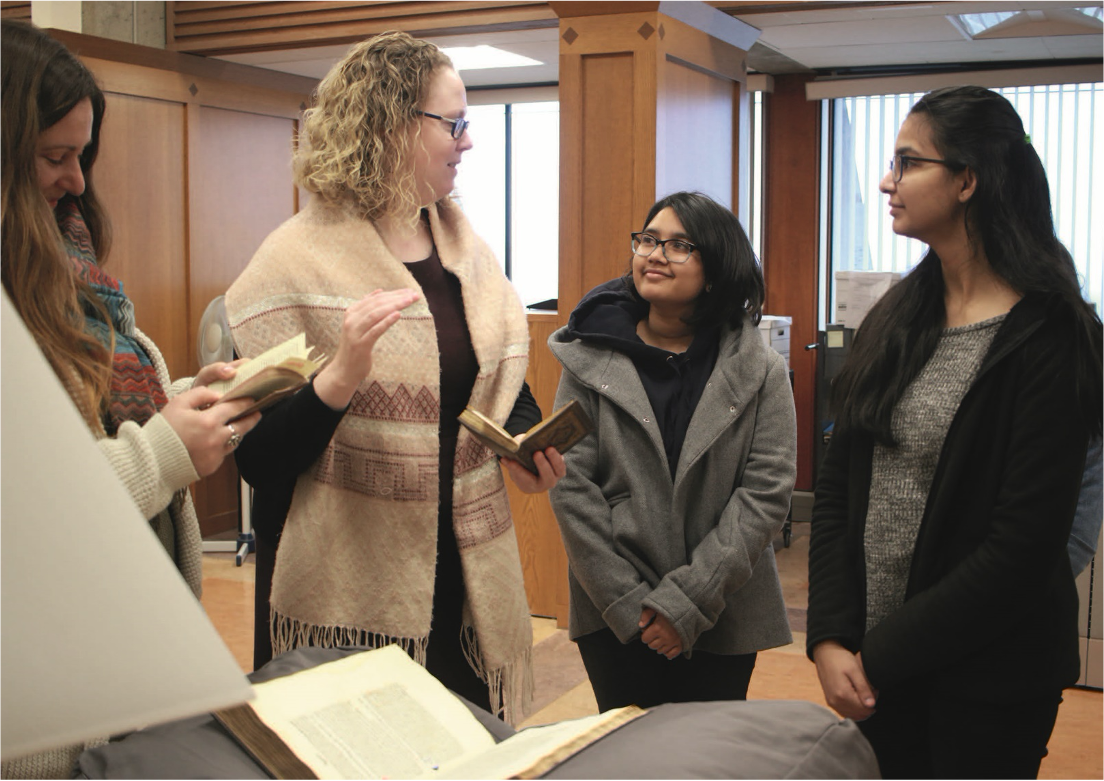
159, 437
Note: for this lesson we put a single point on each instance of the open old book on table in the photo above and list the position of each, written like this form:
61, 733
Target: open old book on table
379, 714
272, 375
561, 430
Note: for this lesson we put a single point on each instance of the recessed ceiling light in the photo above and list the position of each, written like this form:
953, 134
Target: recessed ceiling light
470, 58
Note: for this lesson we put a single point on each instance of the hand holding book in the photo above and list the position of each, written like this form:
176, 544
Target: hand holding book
560, 430
270, 376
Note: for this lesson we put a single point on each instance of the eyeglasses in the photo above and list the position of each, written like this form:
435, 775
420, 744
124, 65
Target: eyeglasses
674, 250
897, 164
458, 125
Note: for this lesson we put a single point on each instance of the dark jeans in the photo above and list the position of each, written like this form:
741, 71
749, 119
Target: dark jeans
634, 674
916, 734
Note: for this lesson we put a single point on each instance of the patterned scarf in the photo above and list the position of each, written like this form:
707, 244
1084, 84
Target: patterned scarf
136, 392
358, 553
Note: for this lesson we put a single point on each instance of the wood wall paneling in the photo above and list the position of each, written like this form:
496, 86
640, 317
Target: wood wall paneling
141, 177
242, 84
648, 105
790, 261
611, 166
543, 559
241, 190
698, 110
195, 171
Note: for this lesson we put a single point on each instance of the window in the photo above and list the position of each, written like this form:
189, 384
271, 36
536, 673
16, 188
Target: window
1062, 121
755, 196
508, 186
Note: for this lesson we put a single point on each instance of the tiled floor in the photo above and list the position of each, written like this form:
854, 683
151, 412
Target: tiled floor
562, 690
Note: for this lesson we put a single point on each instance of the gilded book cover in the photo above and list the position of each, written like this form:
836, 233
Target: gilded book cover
561, 430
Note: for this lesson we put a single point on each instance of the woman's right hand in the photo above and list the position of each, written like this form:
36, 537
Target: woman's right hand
365, 322
203, 428
844, 681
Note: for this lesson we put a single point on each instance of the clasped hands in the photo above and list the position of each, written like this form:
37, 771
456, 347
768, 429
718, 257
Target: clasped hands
659, 634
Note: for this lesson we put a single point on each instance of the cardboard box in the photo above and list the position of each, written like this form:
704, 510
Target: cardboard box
775, 332
857, 291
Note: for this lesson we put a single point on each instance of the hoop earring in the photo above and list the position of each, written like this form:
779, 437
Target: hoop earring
708, 287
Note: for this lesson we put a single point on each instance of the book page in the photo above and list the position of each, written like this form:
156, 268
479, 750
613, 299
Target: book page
536, 750
488, 432
271, 380
372, 715
295, 347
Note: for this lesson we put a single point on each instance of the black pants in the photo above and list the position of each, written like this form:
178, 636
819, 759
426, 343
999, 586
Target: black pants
445, 651
634, 674
916, 734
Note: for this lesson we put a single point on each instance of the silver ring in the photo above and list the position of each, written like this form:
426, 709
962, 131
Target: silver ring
235, 437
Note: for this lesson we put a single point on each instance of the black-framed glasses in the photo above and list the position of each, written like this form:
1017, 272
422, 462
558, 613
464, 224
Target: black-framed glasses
458, 125
674, 250
897, 164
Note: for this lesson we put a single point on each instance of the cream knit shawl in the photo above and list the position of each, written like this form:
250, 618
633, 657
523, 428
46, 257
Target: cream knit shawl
357, 557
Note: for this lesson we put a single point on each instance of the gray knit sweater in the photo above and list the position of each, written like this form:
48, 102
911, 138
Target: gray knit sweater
902, 476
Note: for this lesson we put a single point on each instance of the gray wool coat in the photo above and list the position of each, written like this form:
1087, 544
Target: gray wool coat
696, 549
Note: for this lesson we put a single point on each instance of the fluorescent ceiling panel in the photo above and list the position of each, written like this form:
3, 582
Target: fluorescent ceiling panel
469, 58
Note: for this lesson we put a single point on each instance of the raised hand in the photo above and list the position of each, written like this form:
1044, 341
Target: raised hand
364, 323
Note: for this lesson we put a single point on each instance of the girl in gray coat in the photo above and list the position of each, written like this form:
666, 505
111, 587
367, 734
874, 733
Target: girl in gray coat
669, 510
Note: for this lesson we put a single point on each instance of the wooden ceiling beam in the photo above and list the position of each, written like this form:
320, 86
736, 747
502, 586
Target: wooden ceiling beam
225, 28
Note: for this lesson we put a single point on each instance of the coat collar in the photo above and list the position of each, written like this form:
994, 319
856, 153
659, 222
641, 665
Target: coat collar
742, 364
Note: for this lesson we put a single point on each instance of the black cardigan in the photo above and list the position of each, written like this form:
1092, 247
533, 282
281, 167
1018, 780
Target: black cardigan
990, 608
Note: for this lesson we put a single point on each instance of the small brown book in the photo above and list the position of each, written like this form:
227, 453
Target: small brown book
276, 373
561, 430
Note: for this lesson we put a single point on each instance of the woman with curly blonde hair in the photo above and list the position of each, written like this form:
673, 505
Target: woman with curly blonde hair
378, 519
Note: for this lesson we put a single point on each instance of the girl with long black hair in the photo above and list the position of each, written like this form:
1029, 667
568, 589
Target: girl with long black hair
942, 608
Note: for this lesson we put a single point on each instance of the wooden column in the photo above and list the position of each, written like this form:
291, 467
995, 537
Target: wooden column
649, 104
790, 261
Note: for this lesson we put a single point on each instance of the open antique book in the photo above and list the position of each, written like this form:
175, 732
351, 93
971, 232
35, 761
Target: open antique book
379, 714
272, 375
562, 429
